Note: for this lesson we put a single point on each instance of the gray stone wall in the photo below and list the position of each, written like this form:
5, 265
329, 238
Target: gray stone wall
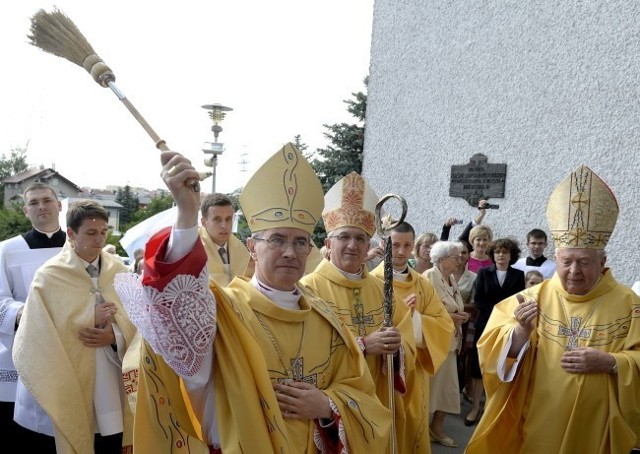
541, 86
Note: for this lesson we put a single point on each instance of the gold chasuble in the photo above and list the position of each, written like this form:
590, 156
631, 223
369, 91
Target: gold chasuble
254, 344
57, 369
358, 304
436, 331
238, 259
607, 318
309, 345
258, 344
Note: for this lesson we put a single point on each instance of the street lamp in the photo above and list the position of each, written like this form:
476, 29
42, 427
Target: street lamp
217, 112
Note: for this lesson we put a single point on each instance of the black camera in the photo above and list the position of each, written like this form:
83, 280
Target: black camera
489, 206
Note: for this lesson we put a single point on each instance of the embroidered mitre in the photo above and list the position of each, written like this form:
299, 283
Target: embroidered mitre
582, 211
351, 202
284, 192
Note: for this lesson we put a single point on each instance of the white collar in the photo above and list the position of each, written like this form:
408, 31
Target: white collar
402, 276
282, 298
49, 234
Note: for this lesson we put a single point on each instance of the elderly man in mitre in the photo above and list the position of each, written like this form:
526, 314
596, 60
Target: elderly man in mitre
357, 297
561, 360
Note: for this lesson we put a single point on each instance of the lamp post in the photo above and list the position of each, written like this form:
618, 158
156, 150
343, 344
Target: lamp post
217, 112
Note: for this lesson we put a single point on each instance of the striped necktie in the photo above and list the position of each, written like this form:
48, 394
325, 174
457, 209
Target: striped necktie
223, 254
92, 270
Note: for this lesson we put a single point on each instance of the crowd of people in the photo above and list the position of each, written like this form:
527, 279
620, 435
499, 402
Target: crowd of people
207, 344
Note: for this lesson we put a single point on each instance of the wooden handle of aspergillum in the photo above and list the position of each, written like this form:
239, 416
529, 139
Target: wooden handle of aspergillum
160, 143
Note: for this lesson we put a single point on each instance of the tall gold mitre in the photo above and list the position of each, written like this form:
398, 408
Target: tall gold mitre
284, 192
582, 211
350, 203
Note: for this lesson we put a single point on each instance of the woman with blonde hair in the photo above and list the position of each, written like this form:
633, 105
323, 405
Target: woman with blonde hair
421, 252
480, 237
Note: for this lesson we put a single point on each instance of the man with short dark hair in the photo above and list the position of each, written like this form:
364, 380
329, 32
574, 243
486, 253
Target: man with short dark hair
536, 243
431, 321
72, 338
20, 257
228, 256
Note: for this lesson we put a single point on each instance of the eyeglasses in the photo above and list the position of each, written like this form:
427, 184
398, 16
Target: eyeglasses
457, 257
360, 240
300, 245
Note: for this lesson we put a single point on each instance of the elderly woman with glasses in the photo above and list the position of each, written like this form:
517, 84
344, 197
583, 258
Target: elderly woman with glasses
444, 389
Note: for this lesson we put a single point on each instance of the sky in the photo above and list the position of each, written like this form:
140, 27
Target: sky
285, 67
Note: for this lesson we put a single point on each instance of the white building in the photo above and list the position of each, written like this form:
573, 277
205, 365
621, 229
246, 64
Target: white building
539, 86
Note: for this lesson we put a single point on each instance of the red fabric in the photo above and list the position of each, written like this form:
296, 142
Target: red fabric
157, 273
329, 435
398, 382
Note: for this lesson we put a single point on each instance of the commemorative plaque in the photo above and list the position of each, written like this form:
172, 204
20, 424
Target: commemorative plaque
478, 180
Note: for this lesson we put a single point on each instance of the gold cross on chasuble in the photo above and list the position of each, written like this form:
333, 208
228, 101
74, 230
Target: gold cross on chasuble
297, 372
360, 320
574, 332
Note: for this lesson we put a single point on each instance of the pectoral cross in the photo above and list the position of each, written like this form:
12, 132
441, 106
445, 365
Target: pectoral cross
360, 320
297, 372
574, 333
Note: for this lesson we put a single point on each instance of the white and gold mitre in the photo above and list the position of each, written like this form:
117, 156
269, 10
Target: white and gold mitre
284, 192
582, 211
350, 203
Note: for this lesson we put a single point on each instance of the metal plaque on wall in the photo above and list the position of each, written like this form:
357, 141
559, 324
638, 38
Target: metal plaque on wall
478, 180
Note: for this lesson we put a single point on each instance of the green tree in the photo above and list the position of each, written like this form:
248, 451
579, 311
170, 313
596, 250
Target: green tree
342, 156
157, 205
300, 145
130, 204
243, 227
15, 163
13, 221
344, 153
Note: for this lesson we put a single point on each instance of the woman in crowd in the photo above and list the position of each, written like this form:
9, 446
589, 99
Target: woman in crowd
466, 280
464, 277
533, 277
421, 252
493, 284
444, 390
480, 237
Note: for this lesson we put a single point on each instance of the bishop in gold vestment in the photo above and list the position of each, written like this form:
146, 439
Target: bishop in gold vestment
570, 419
357, 297
561, 360
358, 304
243, 368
